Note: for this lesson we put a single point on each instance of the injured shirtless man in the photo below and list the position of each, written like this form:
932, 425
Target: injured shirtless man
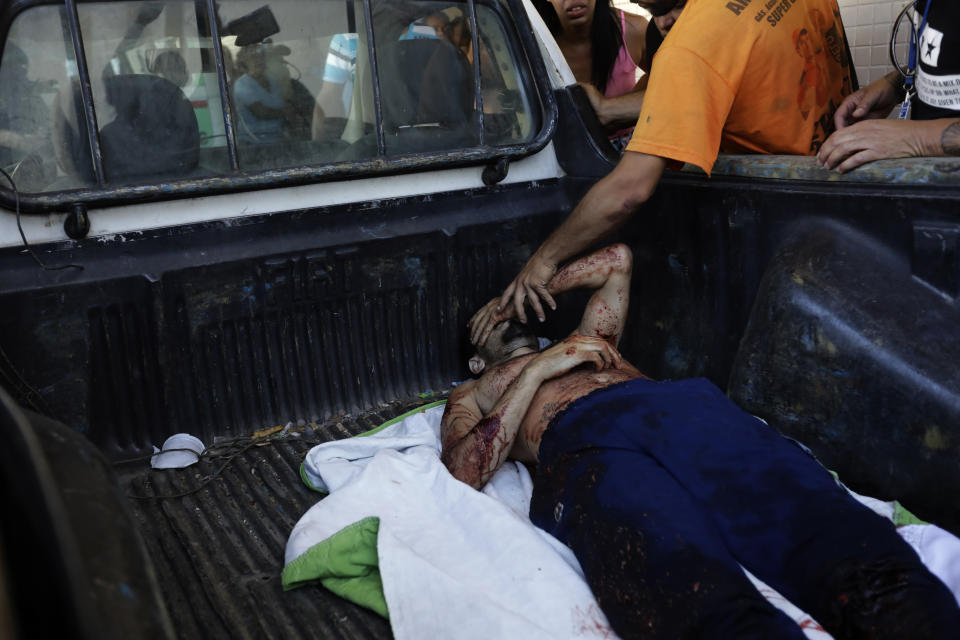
664, 489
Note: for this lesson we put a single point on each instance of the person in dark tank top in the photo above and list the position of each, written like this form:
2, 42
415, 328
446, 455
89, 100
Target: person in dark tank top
864, 133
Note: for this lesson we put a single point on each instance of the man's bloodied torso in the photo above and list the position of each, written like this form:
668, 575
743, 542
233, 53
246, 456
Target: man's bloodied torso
552, 397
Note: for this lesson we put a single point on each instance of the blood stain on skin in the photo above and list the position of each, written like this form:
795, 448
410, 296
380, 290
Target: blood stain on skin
603, 262
488, 427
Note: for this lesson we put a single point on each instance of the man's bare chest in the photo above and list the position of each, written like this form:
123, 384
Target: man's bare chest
552, 397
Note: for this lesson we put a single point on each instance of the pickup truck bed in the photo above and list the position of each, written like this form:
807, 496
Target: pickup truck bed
827, 307
219, 549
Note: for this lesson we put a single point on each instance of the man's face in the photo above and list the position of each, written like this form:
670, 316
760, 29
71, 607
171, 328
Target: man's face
253, 62
457, 32
438, 22
659, 8
666, 21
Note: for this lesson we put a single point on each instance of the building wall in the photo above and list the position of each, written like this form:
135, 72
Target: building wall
869, 24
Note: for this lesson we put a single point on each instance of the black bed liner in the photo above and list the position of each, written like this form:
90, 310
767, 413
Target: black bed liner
218, 551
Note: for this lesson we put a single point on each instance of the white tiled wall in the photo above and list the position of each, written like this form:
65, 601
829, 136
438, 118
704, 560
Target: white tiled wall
631, 7
869, 24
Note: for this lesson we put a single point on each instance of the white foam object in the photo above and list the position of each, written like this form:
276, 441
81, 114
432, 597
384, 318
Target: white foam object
171, 456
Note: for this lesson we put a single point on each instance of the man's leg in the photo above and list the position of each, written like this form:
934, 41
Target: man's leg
657, 567
782, 515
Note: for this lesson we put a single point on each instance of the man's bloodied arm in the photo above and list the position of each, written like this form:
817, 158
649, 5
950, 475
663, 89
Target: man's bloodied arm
474, 445
608, 204
607, 270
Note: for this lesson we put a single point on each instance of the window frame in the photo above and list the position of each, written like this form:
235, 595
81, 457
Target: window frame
532, 75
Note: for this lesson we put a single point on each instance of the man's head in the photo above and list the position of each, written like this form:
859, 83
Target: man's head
509, 339
438, 21
664, 12
171, 65
658, 8
252, 60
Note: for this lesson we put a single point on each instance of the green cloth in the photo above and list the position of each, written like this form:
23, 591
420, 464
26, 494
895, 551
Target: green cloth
903, 517
347, 562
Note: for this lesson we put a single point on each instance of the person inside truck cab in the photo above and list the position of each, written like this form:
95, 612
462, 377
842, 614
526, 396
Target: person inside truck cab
25, 143
663, 490
450, 25
863, 131
267, 104
605, 49
728, 79
339, 72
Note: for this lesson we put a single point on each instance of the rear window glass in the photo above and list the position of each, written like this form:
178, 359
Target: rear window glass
298, 88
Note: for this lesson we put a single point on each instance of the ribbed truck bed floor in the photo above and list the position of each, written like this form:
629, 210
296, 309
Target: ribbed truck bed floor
218, 551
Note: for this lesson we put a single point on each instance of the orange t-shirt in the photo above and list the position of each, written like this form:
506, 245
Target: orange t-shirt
745, 76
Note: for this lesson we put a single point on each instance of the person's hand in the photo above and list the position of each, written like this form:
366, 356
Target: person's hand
573, 352
19, 141
596, 100
530, 286
289, 111
485, 319
871, 102
862, 142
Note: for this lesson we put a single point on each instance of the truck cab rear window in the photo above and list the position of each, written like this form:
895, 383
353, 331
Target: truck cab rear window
295, 83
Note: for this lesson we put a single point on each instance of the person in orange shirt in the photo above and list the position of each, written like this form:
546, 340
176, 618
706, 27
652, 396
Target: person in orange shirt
726, 78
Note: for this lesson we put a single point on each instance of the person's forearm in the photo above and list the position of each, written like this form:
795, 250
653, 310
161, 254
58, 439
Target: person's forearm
605, 208
892, 89
591, 271
931, 138
264, 112
950, 137
477, 456
607, 205
15, 141
622, 111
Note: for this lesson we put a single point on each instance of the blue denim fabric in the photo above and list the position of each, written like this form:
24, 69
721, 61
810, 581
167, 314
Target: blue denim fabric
662, 488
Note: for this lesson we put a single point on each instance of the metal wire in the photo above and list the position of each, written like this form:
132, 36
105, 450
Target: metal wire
904, 13
23, 236
228, 451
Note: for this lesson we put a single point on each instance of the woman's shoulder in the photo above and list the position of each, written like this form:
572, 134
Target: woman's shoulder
635, 36
634, 20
